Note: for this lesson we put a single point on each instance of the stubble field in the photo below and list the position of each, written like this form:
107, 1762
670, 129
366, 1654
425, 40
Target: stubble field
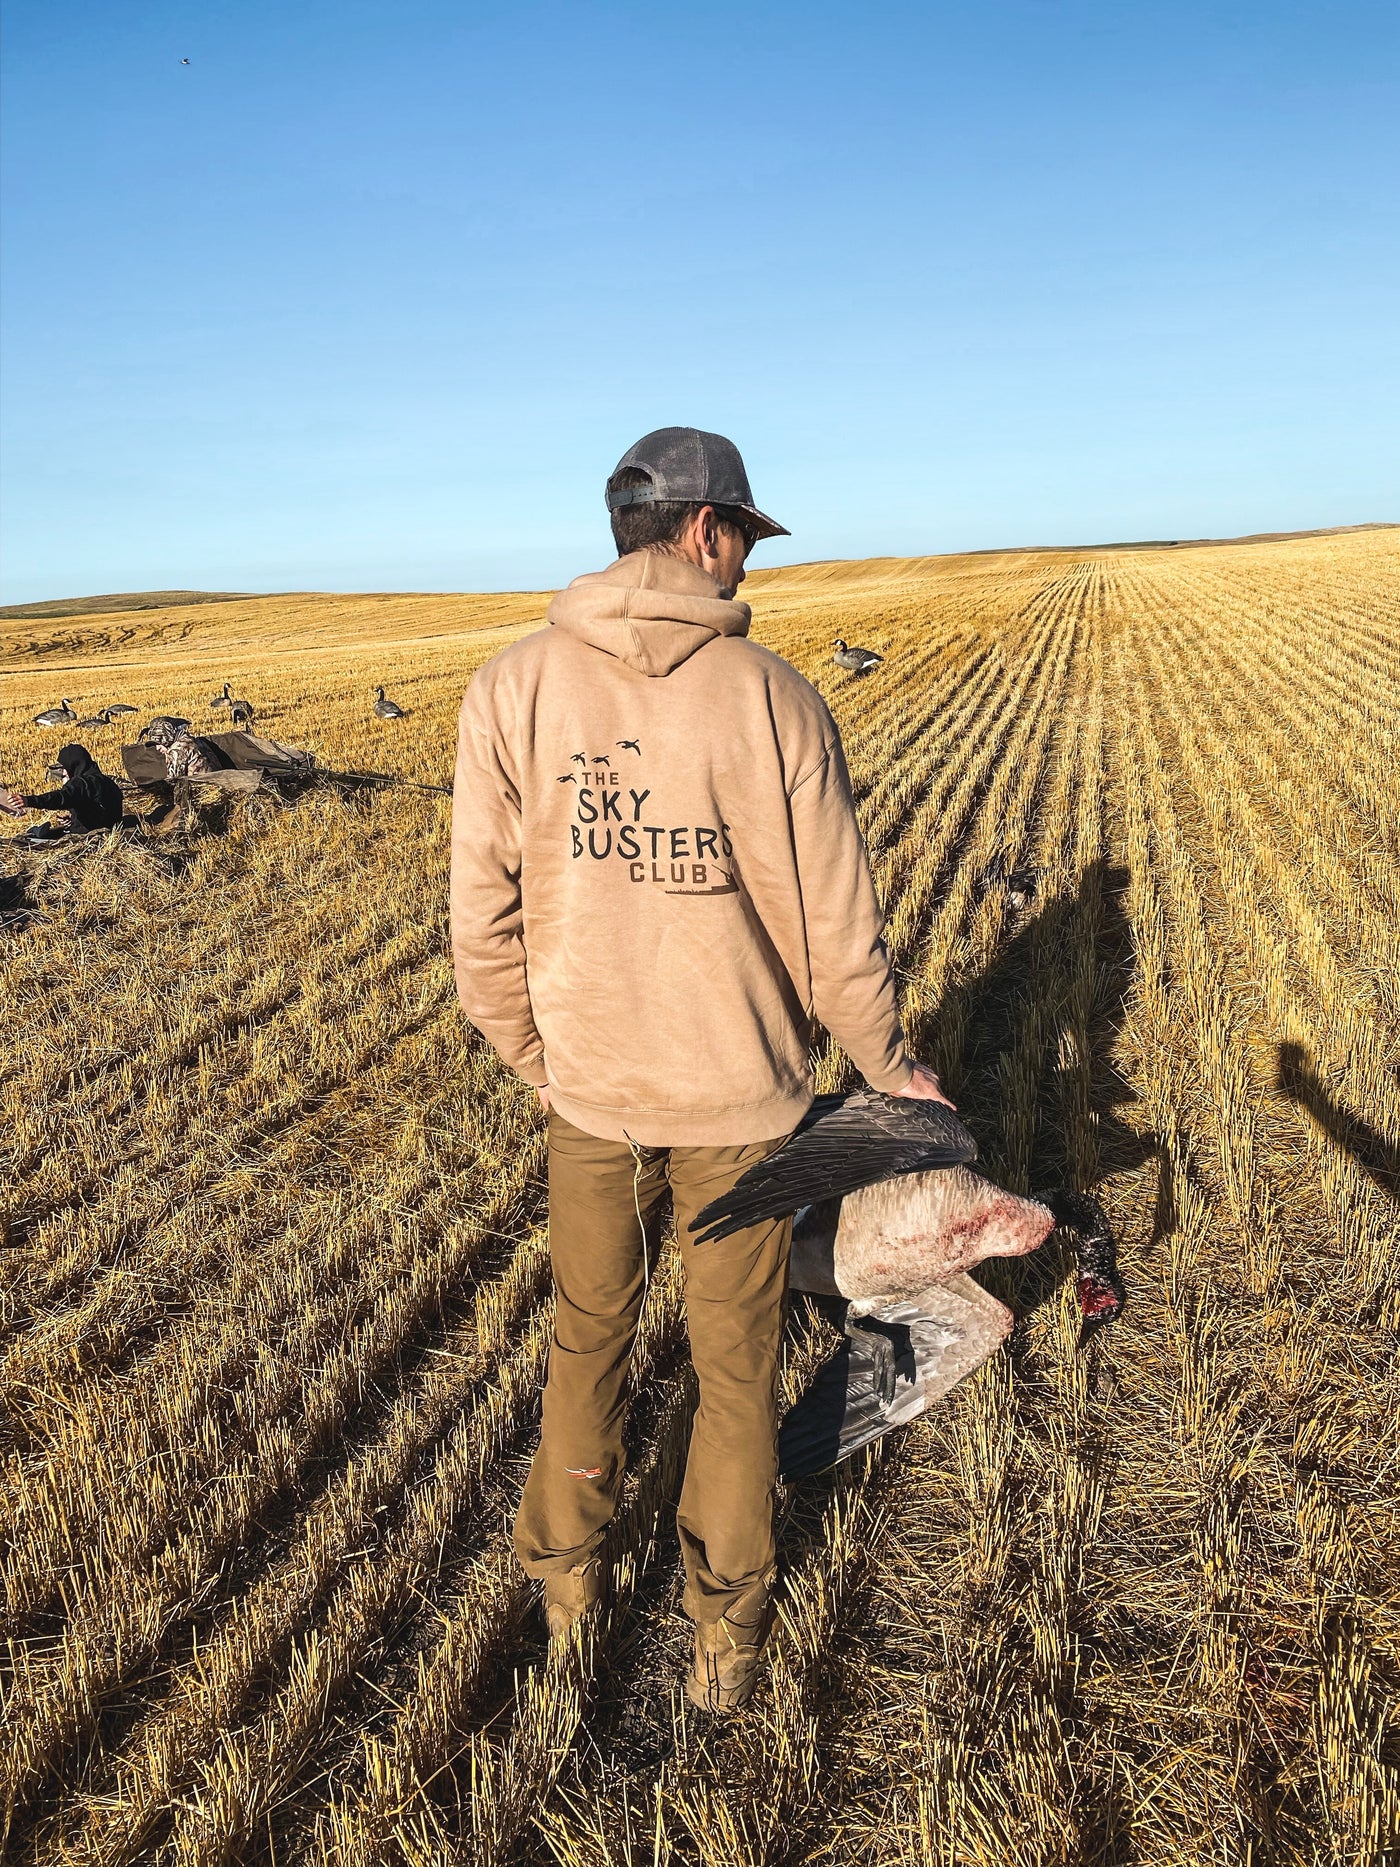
274, 1300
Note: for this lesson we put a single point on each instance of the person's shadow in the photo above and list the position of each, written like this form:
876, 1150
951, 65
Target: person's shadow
1074, 1134
1377, 1157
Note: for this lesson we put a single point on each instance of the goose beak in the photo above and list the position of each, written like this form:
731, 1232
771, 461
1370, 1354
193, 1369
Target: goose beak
1100, 1303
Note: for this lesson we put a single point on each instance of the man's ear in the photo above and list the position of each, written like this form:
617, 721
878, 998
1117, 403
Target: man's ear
709, 532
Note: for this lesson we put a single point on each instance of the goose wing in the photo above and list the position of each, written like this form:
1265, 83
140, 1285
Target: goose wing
935, 1340
846, 1142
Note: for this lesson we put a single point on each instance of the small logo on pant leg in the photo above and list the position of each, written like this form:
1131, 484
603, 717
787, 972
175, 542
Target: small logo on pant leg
583, 1471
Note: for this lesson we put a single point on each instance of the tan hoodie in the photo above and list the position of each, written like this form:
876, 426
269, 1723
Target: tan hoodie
658, 881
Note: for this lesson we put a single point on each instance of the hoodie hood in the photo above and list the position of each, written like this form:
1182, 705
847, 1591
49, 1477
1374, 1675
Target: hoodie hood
648, 610
76, 760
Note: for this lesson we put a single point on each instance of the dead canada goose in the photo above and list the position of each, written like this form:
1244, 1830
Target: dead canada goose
1020, 883
890, 1217
855, 660
387, 709
61, 715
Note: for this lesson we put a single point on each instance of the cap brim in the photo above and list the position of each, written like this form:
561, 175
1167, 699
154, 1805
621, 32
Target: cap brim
766, 527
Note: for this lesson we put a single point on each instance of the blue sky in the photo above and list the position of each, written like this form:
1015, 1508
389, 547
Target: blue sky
373, 295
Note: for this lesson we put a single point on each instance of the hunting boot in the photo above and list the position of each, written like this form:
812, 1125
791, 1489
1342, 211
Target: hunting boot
728, 1652
169, 815
569, 1597
166, 822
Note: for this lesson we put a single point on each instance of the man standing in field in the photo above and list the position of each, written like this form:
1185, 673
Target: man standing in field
658, 884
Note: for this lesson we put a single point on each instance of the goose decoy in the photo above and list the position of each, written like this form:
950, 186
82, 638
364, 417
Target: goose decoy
102, 718
61, 715
119, 706
855, 660
890, 1218
387, 709
241, 710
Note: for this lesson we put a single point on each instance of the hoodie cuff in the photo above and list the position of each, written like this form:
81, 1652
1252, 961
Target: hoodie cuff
895, 1079
534, 1072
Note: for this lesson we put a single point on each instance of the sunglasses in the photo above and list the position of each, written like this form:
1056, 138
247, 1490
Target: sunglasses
745, 530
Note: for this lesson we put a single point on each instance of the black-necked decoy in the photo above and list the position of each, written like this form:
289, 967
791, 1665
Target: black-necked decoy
241, 711
890, 1217
855, 660
120, 706
101, 718
387, 709
61, 715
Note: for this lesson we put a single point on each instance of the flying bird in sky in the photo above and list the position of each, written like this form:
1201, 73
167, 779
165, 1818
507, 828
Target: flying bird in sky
184, 61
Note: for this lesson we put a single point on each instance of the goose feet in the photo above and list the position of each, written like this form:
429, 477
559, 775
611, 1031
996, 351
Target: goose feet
881, 1351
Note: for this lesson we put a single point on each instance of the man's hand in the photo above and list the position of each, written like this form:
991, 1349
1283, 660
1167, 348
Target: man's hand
924, 1086
543, 1095
12, 803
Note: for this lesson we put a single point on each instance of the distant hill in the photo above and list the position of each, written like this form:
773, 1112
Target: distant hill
1184, 544
110, 605
181, 599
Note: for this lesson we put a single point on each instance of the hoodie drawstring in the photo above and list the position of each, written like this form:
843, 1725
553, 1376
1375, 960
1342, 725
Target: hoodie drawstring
637, 1206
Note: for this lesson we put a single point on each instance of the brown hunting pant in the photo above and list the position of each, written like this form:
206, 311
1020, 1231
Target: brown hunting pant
734, 1297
